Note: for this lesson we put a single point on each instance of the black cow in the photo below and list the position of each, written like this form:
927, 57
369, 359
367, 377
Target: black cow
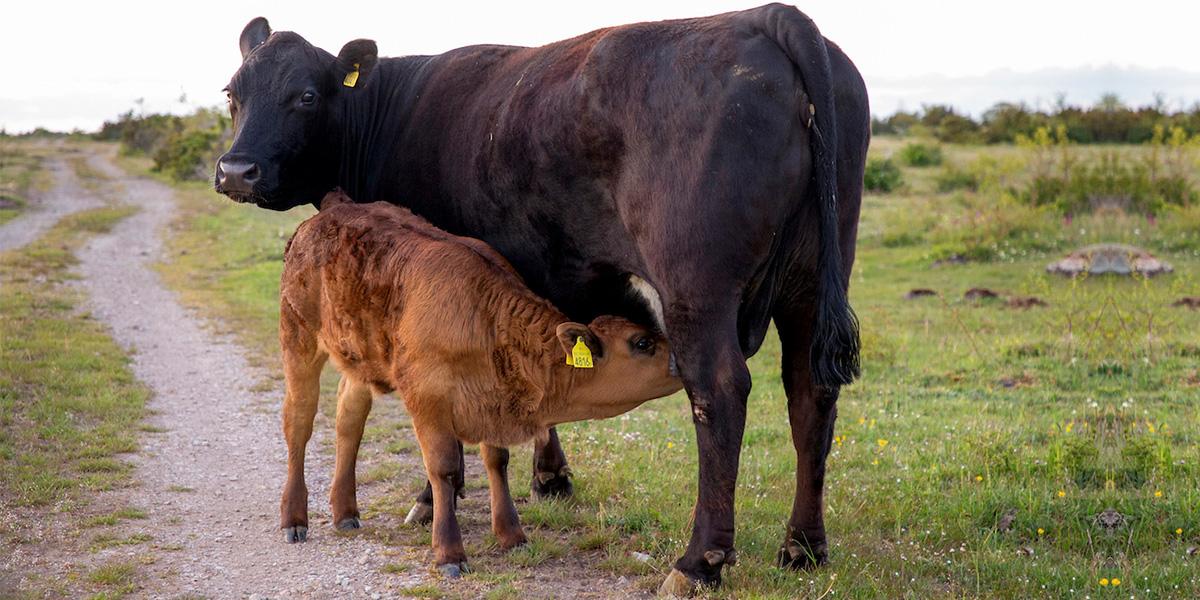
713, 164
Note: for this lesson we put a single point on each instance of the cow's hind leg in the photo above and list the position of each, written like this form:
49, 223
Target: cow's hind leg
811, 411
505, 522
302, 363
422, 511
354, 404
714, 373
551, 475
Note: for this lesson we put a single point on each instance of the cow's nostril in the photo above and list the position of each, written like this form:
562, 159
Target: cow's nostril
237, 176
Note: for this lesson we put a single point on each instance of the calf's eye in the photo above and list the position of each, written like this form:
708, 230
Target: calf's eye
308, 98
643, 344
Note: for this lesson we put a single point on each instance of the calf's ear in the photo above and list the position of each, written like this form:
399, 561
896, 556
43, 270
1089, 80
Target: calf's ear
256, 32
570, 333
356, 60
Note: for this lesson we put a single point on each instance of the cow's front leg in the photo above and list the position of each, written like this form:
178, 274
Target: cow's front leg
551, 475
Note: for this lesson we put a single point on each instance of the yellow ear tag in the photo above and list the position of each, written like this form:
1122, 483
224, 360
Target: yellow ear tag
351, 77
581, 357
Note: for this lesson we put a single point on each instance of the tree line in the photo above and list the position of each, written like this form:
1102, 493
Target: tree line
1109, 121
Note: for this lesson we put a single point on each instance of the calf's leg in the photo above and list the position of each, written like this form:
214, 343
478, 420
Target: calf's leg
505, 522
354, 404
302, 374
422, 511
443, 465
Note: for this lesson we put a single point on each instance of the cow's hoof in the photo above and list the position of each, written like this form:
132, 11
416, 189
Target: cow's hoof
798, 557
421, 514
296, 534
548, 484
677, 585
348, 524
454, 570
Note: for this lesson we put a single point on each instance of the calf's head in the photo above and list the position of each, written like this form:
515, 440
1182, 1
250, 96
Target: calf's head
288, 101
630, 365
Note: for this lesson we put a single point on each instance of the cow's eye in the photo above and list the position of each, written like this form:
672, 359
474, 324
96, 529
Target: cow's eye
643, 344
308, 98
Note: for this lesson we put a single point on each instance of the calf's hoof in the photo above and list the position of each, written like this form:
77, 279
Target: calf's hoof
508, 542
454, 570
798, 556
296, 534
348, 524
548, 484
421, 514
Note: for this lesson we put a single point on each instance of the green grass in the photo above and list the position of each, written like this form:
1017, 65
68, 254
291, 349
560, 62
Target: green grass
20, 175
965, 411
69, 404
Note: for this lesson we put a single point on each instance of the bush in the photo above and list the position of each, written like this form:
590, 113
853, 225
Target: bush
188, 155
882, 175
953, 178
920, 155
182, 147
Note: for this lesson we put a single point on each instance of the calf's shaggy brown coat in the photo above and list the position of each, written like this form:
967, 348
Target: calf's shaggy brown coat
399, 305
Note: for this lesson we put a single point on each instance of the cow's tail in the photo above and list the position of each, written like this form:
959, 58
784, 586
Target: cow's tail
835, 343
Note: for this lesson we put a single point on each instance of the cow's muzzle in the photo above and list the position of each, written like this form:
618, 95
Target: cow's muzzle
236, 178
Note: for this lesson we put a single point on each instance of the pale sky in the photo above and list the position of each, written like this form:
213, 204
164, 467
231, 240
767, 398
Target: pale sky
73, 64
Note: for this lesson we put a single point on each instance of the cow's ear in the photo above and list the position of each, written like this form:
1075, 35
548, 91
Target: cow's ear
256, 32
358, 56
569, 335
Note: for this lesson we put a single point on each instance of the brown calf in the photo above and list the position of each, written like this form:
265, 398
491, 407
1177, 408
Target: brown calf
444, 321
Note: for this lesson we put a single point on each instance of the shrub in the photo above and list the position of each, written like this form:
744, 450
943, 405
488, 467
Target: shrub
953, 178
921, 155
188, 155
882, 175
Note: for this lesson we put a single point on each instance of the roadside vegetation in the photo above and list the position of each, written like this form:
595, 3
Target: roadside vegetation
20, 175
70, 407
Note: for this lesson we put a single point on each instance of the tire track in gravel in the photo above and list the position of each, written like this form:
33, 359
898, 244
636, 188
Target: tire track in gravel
221, 439
64, 197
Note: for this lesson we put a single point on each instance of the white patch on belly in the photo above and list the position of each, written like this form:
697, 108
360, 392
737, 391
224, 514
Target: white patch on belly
647, 291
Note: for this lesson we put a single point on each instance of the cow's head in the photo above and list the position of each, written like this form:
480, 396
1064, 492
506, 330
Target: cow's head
287, 102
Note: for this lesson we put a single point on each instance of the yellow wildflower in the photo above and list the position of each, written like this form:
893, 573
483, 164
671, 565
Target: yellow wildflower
1116, 581
1041, 531
1062, 493
1179, 531
979, 478
1069, 426
1103, 581
1149, 426
882, 442
1158, 493
670, 445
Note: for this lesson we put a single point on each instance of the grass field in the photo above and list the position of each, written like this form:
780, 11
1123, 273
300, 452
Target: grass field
986, 452
19, 175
